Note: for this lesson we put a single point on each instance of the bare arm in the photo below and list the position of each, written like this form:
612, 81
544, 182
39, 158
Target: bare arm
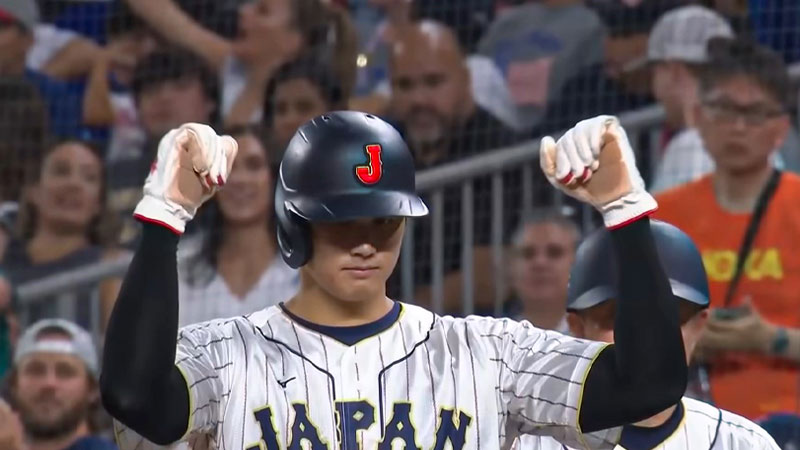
250, 99
75, 60
168, 20
97, 109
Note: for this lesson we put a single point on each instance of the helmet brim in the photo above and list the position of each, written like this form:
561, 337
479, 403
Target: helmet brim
599, 294
358, 205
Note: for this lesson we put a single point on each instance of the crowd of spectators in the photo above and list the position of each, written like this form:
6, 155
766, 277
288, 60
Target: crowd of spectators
88, 88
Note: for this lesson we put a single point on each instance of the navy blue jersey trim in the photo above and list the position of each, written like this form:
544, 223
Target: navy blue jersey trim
651, 437
353, 334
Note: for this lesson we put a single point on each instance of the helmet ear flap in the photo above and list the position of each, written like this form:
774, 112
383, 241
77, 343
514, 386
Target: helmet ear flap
294, 233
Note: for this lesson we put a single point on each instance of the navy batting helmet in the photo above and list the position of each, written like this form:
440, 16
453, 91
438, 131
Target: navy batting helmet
341, 166
595, 274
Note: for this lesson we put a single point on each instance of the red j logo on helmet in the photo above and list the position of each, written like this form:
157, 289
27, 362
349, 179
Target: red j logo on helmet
371, 172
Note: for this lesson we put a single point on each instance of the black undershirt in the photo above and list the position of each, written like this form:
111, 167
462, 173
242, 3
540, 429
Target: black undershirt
639, 376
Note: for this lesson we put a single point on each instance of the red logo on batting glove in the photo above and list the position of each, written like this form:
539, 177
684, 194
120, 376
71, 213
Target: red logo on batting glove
372, 172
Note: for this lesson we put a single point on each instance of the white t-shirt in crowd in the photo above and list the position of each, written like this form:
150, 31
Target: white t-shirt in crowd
207, 300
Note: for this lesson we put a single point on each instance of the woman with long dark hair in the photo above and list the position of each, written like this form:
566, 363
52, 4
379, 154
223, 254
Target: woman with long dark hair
300, 90
237, 268
64, 224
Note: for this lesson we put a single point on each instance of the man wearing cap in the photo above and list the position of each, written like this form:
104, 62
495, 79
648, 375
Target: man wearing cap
53, 386
677, 51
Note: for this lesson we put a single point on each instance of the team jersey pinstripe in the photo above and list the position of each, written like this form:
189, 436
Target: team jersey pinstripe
263, 381
703, 427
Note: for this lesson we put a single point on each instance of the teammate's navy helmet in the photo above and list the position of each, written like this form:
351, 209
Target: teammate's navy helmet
595, 274
340, 166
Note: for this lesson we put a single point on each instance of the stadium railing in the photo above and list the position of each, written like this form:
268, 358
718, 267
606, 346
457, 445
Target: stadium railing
643, 122
432, 182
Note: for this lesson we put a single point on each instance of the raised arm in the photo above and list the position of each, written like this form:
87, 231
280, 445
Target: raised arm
645, 371
140, 384
171, 22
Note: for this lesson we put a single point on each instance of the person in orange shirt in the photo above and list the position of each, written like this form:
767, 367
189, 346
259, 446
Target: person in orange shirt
752, 340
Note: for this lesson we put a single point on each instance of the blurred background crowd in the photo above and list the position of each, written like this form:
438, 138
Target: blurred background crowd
707, 91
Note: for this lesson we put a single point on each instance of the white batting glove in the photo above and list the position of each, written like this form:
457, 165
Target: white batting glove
192, 162
594, 163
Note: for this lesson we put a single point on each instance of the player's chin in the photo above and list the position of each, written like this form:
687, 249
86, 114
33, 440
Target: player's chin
360, 289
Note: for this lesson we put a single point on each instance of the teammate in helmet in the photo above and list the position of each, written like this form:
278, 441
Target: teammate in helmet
591, 313
341, 365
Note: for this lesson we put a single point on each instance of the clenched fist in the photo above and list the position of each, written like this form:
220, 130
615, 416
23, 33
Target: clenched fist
594, 163
192, 162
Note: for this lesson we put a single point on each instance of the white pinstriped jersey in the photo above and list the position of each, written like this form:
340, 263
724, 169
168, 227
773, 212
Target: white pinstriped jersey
264, 382
703, 427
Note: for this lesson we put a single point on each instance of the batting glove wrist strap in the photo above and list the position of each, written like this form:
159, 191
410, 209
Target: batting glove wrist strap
192, 162
628, 209
162, 212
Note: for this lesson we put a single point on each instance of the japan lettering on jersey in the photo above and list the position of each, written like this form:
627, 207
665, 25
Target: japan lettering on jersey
703, 427
264, 382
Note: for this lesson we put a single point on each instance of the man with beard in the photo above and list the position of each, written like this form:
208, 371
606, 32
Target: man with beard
432, 99
53, 387
432, 103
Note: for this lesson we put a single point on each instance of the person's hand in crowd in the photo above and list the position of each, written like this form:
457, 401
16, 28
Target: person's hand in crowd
119, 56
11, 437
266, 38
741, 329
5, 295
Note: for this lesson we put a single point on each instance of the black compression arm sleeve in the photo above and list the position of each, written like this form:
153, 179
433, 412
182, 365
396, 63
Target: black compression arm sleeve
140, 384
645, 371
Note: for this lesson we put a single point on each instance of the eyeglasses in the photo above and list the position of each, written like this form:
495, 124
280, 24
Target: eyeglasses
726, 111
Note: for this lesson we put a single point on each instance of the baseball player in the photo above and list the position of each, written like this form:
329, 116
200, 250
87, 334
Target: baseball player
340, 365
690, 424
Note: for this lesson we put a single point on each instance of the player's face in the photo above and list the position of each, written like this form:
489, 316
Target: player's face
169, 104
587, 327
53, 394
68, 194
692, 331
352, 260
599, 326
542, 259
247, 195
741, 125
295, 103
